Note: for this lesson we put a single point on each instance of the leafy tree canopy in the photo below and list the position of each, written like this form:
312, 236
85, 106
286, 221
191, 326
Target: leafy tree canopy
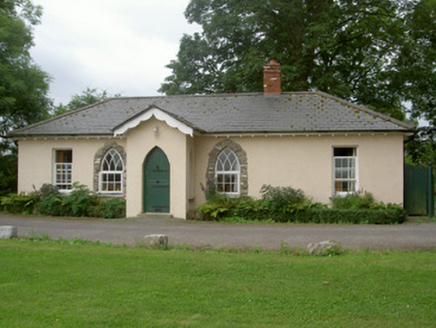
23, 85
88, 97
379, 53
417, 74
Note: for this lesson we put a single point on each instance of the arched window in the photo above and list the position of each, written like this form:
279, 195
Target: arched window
111, 173
227, 173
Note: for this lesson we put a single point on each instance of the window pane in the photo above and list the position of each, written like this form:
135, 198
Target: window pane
64, 156
227, 165
344, 162
344, 152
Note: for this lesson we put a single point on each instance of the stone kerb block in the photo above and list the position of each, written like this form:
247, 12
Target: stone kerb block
325, 248
160, 241
8, 232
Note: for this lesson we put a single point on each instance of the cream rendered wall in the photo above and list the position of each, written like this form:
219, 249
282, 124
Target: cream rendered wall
140, 141
300, 161
306, 162
36, 160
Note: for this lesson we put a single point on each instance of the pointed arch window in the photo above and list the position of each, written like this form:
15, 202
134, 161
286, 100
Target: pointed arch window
227, 173
111, 173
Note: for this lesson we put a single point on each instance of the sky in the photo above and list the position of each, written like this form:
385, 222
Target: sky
121, 46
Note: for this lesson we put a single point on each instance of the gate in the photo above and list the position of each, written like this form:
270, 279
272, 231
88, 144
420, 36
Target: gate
418, 190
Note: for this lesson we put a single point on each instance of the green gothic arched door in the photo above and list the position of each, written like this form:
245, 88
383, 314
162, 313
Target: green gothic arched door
156, 184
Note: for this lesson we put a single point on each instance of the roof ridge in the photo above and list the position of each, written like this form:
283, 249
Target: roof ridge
211, 95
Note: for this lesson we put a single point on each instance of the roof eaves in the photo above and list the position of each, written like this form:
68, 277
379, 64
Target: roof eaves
305, 132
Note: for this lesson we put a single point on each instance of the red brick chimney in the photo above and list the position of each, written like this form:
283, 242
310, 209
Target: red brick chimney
271, 78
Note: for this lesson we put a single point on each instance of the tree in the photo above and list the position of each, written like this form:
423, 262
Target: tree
417, 59
23, 85
417, 75
8, 174
346, 48
87, 97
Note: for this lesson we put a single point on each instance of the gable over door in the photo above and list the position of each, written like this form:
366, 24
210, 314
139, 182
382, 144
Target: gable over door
156, 176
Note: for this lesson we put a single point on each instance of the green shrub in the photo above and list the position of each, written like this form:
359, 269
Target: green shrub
111, 209
392, 215
46, 190
249, 208
285, 204
80, 202
277, 204
355, 201
216, 208
284, 200
20, 203
209, 190
52, 204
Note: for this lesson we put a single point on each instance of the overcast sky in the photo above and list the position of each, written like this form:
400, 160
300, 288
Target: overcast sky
121, 46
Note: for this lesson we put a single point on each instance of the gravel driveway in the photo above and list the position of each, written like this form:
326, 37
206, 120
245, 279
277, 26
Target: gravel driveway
217, 235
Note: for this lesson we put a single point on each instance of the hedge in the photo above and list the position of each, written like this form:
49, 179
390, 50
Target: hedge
383, 216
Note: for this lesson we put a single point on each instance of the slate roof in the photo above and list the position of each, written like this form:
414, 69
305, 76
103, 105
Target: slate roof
293, 112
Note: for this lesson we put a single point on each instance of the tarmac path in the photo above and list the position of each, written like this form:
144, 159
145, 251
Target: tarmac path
410, 236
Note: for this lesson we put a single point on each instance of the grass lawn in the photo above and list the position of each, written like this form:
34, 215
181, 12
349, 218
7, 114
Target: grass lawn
47, 284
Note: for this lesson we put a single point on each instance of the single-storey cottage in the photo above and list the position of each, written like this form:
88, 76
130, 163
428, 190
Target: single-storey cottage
157, 151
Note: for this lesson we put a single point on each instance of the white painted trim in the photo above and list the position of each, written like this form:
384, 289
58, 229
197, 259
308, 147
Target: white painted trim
159, 115
302, 134
84, 137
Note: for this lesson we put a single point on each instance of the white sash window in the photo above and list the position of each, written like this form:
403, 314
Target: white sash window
63, 169
345, 170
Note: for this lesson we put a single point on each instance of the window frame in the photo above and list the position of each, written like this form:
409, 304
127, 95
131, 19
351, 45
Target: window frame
66, 174
356, 170
225, 173
119, 173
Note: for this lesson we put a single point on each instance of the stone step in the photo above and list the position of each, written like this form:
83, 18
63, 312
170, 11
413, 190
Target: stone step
155, 215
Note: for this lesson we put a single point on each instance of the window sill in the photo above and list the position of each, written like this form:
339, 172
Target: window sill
230, 195
344, 193
111, 194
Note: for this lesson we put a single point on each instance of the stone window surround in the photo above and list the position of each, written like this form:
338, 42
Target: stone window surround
98, 158
242, 157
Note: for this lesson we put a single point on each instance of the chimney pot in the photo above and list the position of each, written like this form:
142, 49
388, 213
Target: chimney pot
271, 78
